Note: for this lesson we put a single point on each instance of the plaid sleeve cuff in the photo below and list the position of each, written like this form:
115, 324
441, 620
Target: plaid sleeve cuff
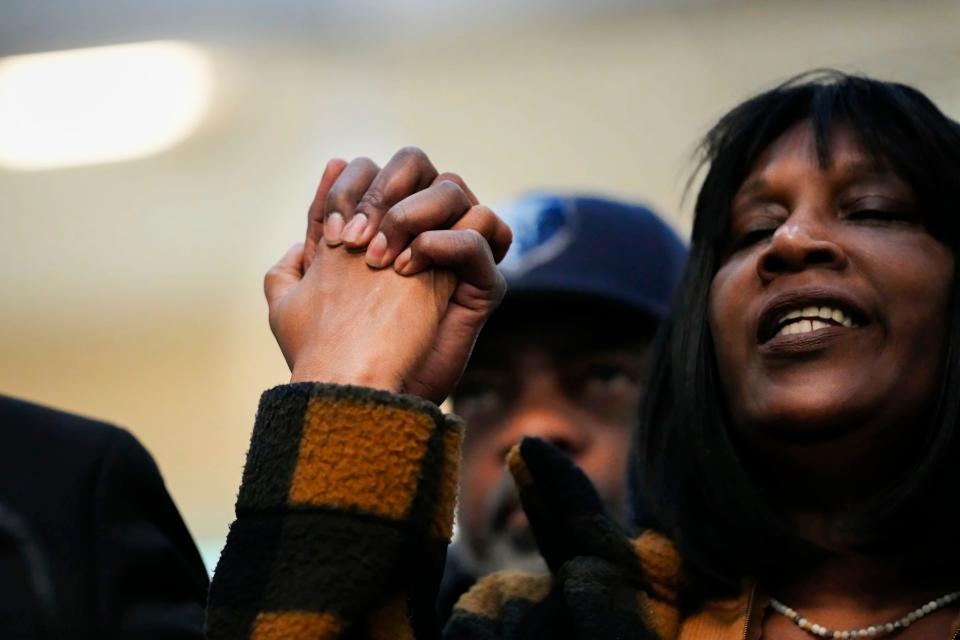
353, 449
344, 488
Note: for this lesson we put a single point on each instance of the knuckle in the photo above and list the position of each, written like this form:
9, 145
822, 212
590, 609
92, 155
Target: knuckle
478, 244
338, 198
485, 216
413, 159
450, 176
373, 198
451, 189
365, 162
268, 279
500, 286
506, 232
413, 153
474, 239
501, 247
485, 211
364, 166
397, 216
453, 192
424, 242
466, 242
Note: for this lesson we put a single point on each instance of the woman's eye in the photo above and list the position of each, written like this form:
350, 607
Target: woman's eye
751, 238
882, 215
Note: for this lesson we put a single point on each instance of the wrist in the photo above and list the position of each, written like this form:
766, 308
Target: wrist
373, 378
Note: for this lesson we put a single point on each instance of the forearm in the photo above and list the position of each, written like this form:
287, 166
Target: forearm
343, 516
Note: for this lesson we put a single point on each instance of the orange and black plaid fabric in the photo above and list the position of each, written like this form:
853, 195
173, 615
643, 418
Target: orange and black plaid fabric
343, 518
345, 512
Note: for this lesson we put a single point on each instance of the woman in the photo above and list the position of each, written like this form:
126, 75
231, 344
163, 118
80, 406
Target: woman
799, 445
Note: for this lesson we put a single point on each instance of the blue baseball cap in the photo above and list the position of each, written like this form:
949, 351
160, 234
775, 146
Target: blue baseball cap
591, 247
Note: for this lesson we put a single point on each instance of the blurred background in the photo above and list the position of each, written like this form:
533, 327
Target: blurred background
156, 157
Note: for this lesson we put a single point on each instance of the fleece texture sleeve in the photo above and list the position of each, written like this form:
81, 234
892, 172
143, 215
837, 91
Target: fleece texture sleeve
342, 519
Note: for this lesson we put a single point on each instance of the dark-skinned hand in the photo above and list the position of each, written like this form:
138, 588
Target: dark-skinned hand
339, 315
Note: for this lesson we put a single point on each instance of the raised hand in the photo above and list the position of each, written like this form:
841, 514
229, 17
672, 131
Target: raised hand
339, 316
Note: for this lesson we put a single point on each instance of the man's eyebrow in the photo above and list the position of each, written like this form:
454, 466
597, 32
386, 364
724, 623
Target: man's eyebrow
486, 367
603, 348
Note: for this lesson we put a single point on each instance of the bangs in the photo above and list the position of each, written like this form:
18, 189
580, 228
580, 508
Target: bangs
896, 124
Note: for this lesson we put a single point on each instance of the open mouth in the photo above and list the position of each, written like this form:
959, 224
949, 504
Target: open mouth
803, 316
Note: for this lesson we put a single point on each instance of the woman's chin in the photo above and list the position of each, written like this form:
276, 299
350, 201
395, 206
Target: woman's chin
809, 418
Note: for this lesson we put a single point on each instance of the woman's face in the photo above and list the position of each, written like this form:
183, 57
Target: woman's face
828, 312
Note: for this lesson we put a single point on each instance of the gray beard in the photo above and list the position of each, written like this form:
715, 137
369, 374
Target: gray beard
504, 549
503, 553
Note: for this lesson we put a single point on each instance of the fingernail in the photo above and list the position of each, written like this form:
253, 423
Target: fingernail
333, 228
402, 261
354, 228
378, 247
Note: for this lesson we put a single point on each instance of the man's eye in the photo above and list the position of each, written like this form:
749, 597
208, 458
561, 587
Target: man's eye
606, 379
477, 400
604, 372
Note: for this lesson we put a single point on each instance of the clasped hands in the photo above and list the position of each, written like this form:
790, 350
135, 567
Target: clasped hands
394, 280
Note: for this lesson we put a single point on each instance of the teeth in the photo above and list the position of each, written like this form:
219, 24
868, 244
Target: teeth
811, 319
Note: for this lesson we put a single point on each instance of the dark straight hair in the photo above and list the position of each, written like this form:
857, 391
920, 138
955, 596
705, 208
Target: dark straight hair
686, 476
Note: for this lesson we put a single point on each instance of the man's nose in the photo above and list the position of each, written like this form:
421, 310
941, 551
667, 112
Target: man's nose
554, 423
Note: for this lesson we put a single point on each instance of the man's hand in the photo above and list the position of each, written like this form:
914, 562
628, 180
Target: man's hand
339, 316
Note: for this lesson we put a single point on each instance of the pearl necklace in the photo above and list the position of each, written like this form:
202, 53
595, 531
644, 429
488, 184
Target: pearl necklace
874, 631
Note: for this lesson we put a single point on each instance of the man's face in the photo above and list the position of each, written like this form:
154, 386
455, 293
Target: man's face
573, 378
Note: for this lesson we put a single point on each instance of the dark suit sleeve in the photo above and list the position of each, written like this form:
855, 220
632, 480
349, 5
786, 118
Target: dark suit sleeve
151, 581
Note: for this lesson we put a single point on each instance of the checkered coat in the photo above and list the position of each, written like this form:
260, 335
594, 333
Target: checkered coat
344, 516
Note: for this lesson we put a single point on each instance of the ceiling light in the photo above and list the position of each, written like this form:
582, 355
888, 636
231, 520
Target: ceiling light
105, 104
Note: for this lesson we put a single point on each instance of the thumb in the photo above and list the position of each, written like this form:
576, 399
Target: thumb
316, 213
283, 275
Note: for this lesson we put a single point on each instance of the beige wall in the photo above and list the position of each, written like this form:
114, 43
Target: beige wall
131, 292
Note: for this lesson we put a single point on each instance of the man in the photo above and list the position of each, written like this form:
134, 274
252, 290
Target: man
562, 358
91, 545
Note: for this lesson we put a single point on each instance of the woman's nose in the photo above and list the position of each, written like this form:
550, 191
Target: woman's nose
796, 247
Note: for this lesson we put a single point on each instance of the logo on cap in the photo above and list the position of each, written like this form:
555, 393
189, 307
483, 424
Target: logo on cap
543, 227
